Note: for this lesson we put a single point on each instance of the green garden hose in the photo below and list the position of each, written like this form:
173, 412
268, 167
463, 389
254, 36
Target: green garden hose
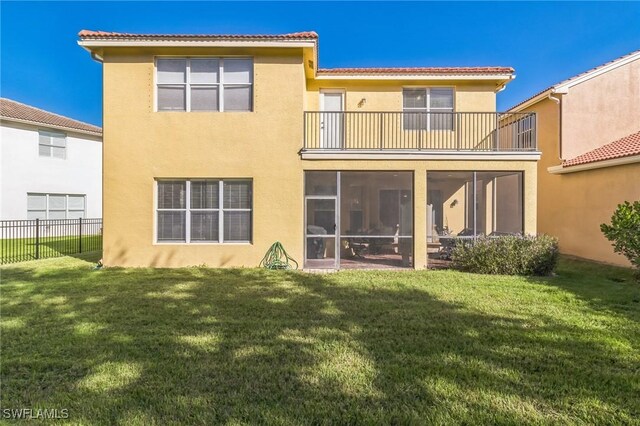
277, 258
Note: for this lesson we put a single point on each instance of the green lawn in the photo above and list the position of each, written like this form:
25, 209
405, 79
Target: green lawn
205, 346
24, 249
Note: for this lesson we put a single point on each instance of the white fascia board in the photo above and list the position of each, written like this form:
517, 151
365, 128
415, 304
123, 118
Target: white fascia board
559, 170
420, 155
500, 77
192, 43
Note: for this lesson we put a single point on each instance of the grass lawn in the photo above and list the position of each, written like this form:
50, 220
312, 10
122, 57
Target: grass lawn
204, 346
23, 249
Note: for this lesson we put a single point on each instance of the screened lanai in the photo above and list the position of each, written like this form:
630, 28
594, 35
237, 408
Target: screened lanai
359, 219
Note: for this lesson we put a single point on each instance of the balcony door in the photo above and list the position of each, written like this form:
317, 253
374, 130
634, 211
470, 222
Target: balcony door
331, 119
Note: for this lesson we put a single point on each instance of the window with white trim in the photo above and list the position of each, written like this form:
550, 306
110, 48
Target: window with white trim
52, 144
204, 84
204, 211
428, 108
55, 206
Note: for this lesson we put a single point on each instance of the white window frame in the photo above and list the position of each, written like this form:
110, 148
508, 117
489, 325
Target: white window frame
428, 107
51, 135
66, 204
220, 209
220, 84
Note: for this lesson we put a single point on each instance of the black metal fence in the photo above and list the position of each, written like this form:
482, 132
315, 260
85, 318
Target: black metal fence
417, 131
22, 240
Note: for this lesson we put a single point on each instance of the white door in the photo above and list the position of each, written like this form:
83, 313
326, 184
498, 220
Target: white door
331, 120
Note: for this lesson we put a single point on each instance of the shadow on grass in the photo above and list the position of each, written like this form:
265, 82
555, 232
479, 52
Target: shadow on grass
209, 346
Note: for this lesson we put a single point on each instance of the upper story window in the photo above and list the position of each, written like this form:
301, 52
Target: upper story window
204, 84
52, 144
428, 109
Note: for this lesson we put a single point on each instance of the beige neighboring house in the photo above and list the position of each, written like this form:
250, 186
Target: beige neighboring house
589, 135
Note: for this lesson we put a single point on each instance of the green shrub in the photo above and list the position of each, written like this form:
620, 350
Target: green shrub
508, 255
624, 232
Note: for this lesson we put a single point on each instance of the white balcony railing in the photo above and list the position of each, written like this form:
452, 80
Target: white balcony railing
419, 131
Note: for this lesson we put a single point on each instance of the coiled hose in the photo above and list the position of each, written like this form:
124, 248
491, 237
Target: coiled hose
277, 258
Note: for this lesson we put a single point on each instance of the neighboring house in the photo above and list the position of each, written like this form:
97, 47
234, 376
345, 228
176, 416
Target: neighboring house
50, 165
216, 146
588, 127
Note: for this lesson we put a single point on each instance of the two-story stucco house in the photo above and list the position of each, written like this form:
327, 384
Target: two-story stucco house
216, 146
50, 165
589, 130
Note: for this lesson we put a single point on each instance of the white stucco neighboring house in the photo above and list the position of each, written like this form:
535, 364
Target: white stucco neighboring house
50, 165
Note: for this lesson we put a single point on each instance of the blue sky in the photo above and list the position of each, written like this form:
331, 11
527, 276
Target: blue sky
42, 65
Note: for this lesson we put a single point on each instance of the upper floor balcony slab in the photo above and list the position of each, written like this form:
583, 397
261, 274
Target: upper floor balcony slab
419, 135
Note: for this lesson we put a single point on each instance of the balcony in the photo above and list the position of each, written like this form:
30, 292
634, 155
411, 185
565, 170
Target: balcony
414, 134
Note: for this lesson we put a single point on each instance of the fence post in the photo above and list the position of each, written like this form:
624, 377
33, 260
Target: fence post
80, 232
37, 238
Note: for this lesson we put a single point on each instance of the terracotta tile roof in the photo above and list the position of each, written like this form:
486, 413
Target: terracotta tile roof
416, 71
18, 111
104, 35
625, 147
575, 77
86, 35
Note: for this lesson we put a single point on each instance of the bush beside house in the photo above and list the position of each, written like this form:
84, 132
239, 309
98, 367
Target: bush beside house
508, 255
624, 232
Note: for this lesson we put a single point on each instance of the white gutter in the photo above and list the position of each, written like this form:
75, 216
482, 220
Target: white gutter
558, 170
188, 43
414, 77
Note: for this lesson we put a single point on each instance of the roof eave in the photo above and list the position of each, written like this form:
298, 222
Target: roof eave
51, 126
539, 97
492, 77
562, 169
562, 88
90, 44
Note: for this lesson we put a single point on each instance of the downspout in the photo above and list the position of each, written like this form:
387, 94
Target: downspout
559, 102
96, 57
504, 84
501, 87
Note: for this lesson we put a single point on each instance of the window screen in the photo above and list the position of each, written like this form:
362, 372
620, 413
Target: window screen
204, 84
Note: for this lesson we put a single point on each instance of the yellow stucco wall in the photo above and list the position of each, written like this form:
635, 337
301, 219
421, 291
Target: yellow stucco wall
141, 145
572, 206
585, 200
386, 95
